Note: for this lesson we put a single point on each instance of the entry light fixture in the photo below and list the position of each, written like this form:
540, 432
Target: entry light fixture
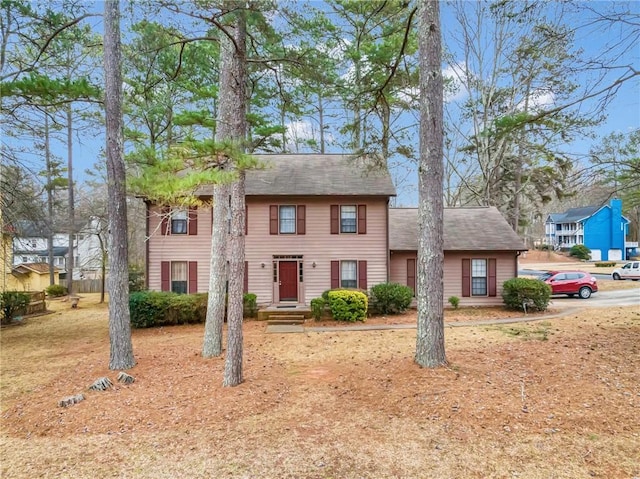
313, 264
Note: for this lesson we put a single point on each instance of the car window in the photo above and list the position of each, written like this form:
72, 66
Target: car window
560, 277
635, 265
627, 266
545, 276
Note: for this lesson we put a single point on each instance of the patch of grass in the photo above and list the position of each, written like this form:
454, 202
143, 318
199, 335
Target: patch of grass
527, 332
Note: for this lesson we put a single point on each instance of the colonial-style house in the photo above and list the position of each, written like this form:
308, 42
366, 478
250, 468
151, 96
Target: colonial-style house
603, 229
316, 222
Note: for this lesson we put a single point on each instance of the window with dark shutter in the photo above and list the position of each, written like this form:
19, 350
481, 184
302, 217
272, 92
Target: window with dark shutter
193, 277
492, 277
362, 275
273, 219
466, 277
301, 220
193, 221
165, 276
335, 219
164, 221
335, 274
362, 219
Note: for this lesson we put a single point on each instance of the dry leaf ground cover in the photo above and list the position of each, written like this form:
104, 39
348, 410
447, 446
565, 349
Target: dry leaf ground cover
553, 398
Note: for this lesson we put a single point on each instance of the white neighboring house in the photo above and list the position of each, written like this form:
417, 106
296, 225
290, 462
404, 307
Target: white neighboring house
89, 250
30, 245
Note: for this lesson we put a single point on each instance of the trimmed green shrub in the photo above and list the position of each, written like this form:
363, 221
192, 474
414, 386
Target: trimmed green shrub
348, 305
250, 305
609, 264
13, 304
325, 294
390, 298
317, 308
149, 309
580, 251
55, 290
526, 294
454, 301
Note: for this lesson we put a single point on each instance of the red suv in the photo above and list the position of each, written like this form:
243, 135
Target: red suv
570, 283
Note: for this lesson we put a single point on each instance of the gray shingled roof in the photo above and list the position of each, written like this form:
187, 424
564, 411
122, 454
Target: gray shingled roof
315, 175
575, 214
465, 229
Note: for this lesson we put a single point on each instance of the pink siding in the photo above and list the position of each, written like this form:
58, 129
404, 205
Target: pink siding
317, 245
179, 247
506, 268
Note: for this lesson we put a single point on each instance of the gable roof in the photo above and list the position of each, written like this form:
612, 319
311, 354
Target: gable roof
465, 229
40, 268
573, 215
318, 175
315, 175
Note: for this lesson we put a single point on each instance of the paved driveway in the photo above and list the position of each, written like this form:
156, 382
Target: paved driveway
602, 299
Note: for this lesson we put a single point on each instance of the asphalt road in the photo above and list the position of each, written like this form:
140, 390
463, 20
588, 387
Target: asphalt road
602, 299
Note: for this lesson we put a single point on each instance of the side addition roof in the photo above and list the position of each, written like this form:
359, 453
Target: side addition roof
465, 229
318, 175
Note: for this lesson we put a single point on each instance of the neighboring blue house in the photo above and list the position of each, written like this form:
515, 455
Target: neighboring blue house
602, 229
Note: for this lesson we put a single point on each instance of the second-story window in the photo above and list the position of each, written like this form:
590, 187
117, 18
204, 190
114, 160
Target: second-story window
348, 219
287, 220
179, 222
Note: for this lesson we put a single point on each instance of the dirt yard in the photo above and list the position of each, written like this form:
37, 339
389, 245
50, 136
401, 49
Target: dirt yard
554, 398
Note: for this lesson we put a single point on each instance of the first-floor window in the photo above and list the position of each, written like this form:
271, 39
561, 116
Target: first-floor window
348, 274
179, 277
478, 277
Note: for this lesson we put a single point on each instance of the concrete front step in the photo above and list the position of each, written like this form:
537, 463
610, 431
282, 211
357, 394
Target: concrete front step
285, 319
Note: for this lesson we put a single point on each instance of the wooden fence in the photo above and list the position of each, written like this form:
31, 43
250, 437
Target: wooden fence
84, 285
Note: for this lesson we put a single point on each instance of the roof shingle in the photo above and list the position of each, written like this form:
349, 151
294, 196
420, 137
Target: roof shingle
465, 229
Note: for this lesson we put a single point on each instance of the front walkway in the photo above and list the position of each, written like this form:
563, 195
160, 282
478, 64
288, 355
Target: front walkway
299, 328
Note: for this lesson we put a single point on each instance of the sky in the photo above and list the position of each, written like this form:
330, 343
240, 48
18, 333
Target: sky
623, 112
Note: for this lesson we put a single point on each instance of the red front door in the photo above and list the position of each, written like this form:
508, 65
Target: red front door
288, 278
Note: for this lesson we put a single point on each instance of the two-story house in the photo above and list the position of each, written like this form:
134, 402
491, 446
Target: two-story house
316, 222
603, 229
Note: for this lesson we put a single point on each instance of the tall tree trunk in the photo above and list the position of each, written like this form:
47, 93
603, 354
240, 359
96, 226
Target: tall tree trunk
47, 154
232, 111
212, 344
121, 356
430, 335
321, 123
72, 219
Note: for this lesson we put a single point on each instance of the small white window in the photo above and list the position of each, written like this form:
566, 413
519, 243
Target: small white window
287, 219
348, 217
179, 277
348, 274
179, 222
478, 277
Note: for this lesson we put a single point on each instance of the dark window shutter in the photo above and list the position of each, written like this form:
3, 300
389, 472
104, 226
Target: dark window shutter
301, 220
492, 277
165, 276
246, 219
466, 277
193, 276
164, 225
335, 274
411, 274
246, 277
192, 224
335, 219
362, 274
362, 219
273, 219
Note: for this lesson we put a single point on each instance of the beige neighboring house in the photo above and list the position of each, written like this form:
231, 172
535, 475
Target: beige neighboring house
316, 222
32, 277
480, 252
